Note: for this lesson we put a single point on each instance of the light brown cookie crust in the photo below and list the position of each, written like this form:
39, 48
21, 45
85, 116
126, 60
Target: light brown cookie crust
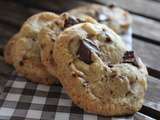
49, 34
25, 55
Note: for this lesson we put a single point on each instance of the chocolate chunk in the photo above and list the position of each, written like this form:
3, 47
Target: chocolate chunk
130, 57
91, 45
53, 40
111, 92
51, 52
128, 93
56, 22
110, 65
84, 53
21, 63
108, 39
70, 21
85, 50
111, 6
85, 84
33, 39
24, 58
80, 20
74, 75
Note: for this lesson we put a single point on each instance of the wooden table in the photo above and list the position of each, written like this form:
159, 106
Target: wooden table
146, 37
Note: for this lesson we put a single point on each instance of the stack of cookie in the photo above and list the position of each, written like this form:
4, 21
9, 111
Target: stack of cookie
88, 58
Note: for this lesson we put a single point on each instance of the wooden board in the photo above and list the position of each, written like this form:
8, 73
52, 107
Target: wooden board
147, 8
15, 15
146, 28
146, 25
152, 97
149, 53
140, 116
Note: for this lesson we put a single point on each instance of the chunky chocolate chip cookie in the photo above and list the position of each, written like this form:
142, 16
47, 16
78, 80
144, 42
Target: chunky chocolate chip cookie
49, 34
98, 72
24, 52
115, 17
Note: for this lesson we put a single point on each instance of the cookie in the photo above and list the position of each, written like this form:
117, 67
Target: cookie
8, 49
26, 51
49, 34
98, 72
33, 24
116, 18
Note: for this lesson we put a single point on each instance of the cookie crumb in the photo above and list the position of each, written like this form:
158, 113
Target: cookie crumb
21, 63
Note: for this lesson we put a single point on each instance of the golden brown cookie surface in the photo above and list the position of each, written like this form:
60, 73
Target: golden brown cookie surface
49, 34
98, 72
116, 18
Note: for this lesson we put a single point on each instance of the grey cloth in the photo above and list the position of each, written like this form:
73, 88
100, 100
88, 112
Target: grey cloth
24, 100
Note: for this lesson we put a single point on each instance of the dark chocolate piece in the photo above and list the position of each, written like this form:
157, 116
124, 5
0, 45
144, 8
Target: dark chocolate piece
84, 53
110, 65
33, 39
85, 50
53, 40
90, 44
111, 6
85, 84
108, 39
74, 74
21, 63
130, 57
51, 52
70, 21
80, 20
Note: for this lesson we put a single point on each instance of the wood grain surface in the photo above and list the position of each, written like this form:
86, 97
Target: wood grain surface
148, 8
149, 53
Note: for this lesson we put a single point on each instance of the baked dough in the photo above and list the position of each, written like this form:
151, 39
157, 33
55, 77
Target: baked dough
114, 17
23, 50
98, 72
